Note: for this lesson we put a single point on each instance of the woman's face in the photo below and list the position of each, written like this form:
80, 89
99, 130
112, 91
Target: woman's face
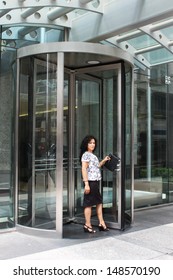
91, 145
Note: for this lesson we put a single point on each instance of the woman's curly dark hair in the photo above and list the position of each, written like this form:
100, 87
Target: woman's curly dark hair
84, 145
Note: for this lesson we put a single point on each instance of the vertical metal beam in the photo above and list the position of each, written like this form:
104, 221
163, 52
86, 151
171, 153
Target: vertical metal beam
59, 145
42, 34
119, 144
149, 130
16, 164
71, 188
33, 144
132, 147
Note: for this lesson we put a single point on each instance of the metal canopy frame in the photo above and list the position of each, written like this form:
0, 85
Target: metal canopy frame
125, 24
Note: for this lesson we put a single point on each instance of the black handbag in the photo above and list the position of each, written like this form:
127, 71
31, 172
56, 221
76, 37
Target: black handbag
114, 163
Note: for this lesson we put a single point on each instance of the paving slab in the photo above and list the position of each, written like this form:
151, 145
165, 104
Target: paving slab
149, 238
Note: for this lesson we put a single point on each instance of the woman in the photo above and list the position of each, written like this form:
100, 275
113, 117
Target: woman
91, 176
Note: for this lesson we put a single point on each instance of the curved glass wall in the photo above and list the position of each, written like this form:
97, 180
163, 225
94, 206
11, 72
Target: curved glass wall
153, 136
13, 38
37, 141
7, 125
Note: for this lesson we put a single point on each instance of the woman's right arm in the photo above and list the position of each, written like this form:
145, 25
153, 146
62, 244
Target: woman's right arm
85, 176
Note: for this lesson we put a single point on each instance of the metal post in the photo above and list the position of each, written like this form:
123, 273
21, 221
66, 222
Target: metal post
59, 145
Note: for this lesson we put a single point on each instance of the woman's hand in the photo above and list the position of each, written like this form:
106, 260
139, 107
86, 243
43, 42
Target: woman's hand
87, 189
104, 160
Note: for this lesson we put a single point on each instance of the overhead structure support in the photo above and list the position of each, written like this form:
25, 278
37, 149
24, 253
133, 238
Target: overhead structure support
158, 36
119, 17
149, 49
85, 1
3, 12
28, 12
128, 36
48, 10
127, 47
161, 25
26, 30
58, 12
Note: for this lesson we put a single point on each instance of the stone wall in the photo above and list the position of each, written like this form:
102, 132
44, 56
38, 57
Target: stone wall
6, 108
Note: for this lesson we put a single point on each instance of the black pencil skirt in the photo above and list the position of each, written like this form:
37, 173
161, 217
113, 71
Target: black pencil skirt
94, 197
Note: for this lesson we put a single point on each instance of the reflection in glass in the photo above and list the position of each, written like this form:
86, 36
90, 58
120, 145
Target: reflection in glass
152, 166
37, 142
128, 144
87, 122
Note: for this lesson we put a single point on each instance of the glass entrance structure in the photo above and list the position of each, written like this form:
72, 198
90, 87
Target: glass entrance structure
93, 86
66, 91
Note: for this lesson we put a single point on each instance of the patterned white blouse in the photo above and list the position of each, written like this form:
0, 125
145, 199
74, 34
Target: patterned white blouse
93, 169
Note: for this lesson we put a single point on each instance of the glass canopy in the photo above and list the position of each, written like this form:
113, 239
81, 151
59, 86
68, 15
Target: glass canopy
142, 28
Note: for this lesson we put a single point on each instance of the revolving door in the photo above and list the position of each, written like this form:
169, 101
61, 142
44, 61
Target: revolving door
64, 94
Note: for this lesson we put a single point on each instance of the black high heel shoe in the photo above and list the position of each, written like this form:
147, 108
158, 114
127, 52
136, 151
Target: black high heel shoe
88, 229
103, 228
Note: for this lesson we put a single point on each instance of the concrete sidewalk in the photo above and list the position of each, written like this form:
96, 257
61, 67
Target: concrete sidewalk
150, 238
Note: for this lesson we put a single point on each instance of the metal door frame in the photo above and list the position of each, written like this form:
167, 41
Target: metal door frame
71, 187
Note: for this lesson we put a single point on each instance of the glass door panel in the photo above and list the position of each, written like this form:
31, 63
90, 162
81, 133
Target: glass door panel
44, 141
111, 187
98, 113
66, 183
37, 138
25, 142
87, 118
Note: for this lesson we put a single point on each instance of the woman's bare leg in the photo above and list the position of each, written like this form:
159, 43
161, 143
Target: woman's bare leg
87, 214
99, 209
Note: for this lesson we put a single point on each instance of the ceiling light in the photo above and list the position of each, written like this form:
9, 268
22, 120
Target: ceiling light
92, 62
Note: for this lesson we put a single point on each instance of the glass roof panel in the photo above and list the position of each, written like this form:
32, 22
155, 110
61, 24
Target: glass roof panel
158, 56
168, 32
141, 42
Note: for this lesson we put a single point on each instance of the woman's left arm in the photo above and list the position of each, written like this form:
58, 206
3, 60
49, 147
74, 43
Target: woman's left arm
102, 162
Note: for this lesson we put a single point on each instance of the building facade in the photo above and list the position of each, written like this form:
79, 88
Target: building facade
71, 68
